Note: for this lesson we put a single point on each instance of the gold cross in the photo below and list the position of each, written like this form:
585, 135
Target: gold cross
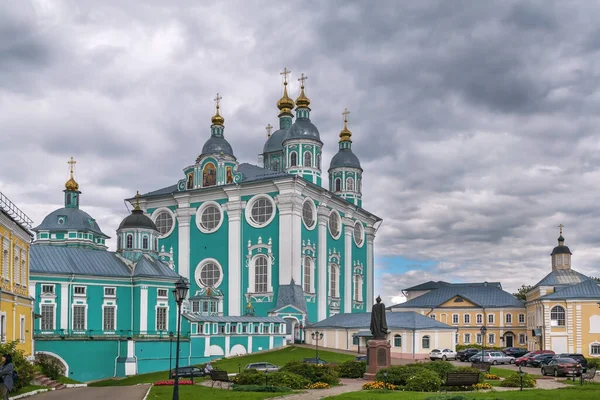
71, 163
285, 73
302, 79
268, 128
218, 100
561, 226
137, 200
345, 114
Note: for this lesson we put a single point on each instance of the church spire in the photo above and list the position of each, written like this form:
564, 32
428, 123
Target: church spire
561, 254
71, 184
345, 133
72, 187
217, 120
285, 104
302, 102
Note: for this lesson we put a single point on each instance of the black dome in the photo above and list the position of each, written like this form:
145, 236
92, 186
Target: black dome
217, 145
137, 219
561, 250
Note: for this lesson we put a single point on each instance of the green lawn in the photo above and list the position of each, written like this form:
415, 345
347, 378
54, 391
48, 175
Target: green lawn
197, 392
589, 392
133, 380
502, 372
27, 389
67, 381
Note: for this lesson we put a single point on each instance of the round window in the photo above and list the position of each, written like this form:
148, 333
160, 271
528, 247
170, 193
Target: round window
209, 217
164, 222
262, 211
210, 275
334, 224
308, 214
358, 234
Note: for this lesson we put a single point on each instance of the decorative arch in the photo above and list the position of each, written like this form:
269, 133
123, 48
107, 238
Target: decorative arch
237, 350
209, 175
58, 358
215, 350
557, 316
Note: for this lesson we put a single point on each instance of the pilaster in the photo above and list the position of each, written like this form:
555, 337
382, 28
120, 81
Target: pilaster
370, 235
348, 292
322, 215
143, 309
286, 238
234, 214
64, 306
183, 222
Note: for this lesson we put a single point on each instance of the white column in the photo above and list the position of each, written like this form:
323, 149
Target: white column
249, 344
370, 233
234, 213
348, 293
286, 239
323, 214
183, 219
297, 240
64, 306
207, 345
131, 360
270, 342
227, 345
144, 309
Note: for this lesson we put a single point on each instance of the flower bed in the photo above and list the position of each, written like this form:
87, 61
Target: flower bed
482, 386
491, 377
318, 385
171, 382
378, 385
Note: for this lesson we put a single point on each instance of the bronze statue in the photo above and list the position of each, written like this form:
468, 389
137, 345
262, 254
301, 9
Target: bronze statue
379, 327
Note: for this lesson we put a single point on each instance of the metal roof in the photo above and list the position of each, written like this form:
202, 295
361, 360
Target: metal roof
275, 141
345, 158
291, 295
431, 285
395, 320
489, 296
197, 317
13, 212
76, 220
588, 289
151, 267
562, 277
363, 334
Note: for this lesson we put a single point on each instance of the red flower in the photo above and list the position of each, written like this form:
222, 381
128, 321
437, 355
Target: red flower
171, 382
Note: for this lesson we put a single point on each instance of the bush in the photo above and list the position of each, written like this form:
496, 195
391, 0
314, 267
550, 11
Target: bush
313, 372
22, 366
398, 375
50, 367
260, 388
352, 369
250, 377
288, 379
440, 367
514, 380
424, 381
592, 363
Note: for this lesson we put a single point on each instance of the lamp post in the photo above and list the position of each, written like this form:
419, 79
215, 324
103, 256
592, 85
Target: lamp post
170, 353
180, 292
316, 337
483, 330
300, 330
521, 373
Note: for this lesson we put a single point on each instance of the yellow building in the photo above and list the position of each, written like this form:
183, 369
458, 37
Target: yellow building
469, 307
15, 303
563, 309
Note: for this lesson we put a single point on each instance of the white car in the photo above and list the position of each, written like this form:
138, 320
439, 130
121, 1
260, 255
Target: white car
445, 354
497, 357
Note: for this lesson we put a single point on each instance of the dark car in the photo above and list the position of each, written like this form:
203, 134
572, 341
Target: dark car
529, 356
314, 361
476, 358
577, 357
560, 366
465, 354
188, 372
516, 352
361, 358
540, 359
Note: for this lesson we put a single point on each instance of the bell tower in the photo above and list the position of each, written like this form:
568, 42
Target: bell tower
561, 255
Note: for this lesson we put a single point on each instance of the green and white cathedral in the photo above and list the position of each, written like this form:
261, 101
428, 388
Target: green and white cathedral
267, 251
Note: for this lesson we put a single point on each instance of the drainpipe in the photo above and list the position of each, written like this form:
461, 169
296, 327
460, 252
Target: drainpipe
117, 358
413, 344
132, 316
543, 327
347, 340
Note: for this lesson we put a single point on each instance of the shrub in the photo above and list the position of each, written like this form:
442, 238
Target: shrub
260, 388
49, 366
514, 380
318, 385
23, 367
424, 381
398, 375
471, 369
250, 377
313, 372
377, 385
482, 386
288, 379
352, 369
171, 382
440, 367
592, 363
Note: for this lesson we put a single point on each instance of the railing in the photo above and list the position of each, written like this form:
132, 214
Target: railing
98, 334
15, 212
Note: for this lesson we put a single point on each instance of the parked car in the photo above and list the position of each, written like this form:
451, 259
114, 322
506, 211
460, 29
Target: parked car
516, 352
525, 359
558, 366
493, 357
465, 354
188, 372
445, 354
314, 361
476, 358
540, 359
361, 358
575, 356
262, 366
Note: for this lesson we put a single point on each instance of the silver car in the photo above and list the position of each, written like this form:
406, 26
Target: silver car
498, 357
262, 366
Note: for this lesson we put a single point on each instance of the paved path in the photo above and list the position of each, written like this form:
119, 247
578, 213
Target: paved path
348, 385
96, 393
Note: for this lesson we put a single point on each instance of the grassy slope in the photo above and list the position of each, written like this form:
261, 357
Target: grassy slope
27, 389
67, 381
133, 380
198, 392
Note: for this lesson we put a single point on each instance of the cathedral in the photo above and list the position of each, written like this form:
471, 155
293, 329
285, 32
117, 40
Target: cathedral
267, 251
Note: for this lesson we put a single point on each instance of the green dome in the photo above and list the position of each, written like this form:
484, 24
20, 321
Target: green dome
69, 219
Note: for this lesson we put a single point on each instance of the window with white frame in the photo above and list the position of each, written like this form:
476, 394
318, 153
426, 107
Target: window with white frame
334, 271
490, 318
350, 184
79, 318
293, 159
276, 328
491, 338
508, 318
129, 241
221, 329
425, 342
397, 341
109, 318
261, 211
359, 234
467, 338
522, 338
164, 222
79, 290
455, 319
22, 330
261, 267
209, 273
16, 276
5, 256
467, 319
338, 185
47, 289
357, 287
233, 328
307, 159
3, 328
209, 217
308, 214
110, 292
478, 338
162, 293
47, 322
23, 271
479, 319
195, 306
145, 243
457, 338
334, 224
432, 316
161, 318
595, 349
307, 274
557, 316
521, 318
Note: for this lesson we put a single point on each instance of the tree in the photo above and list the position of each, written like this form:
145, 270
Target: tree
522, 291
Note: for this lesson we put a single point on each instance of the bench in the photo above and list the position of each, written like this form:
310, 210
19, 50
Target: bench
461, 379
482, 366
219, 377
588, 375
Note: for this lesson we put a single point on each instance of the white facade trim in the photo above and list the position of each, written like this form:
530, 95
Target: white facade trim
201, 210
248, 210
155, 214
143, 309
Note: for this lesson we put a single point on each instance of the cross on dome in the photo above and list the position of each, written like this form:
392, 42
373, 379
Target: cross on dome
561, 226
285, 74
268, 128
302, 79
345, 114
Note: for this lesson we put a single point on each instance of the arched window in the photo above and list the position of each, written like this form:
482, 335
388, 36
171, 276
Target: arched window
293, 159
333, 278
338, 185
350, 185
307, 275
261, 274
209, 175
425, 342
155, 244
319, 161
357, 287
358, 185
190, 180
307, 159
557, 316
129, 244
275, 165
145, 243
397, 341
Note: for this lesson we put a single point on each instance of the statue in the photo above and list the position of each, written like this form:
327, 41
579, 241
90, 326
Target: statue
379, 327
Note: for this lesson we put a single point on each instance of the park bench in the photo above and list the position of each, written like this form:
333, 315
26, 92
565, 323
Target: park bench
219, 377
482, 366
461, 379
588, 375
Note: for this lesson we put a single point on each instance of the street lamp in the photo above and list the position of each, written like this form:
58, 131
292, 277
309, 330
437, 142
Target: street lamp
180, 292
171, 334
483, 330
316, 337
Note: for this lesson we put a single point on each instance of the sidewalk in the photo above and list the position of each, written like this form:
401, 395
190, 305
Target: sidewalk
348, 385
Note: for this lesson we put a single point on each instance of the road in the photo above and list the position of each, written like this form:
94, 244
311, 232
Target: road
97, 393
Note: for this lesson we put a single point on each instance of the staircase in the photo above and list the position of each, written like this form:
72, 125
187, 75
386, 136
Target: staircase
43, 380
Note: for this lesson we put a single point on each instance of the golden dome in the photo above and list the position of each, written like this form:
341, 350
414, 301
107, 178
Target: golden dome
285, 104
71, 184
302, 100
345, 133
217, 119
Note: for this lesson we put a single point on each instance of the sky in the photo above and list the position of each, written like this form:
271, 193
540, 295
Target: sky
475, 122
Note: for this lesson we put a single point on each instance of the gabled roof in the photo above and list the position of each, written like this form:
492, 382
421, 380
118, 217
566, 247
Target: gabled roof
151, 267
490, 296
291, 295
562, 277
395, 320
588, 289
431, 285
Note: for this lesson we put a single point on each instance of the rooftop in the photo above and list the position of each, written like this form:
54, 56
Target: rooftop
490, 296
588, 289
561, 277
13, 212
395, 320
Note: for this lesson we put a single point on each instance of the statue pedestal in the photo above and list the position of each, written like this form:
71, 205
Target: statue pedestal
378, 357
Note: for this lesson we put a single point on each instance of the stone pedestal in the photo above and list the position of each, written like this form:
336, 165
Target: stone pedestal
378, 357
